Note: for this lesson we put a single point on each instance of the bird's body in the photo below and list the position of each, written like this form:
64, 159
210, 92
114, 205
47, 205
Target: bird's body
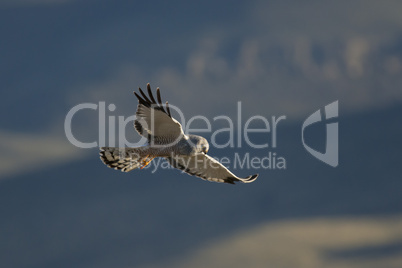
166, 139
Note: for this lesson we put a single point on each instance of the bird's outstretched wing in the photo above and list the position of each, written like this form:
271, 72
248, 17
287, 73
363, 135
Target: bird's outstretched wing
154, 120
207, 168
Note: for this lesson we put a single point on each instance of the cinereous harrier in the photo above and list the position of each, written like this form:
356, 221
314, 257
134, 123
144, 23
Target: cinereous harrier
166, 139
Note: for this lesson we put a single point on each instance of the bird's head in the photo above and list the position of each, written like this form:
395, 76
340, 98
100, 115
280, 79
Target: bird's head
199, 144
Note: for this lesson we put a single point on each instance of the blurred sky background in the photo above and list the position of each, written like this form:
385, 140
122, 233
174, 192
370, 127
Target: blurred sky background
61, 207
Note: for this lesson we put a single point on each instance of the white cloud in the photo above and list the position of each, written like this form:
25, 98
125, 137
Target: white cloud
290, 58
301, 243
212, 84
24, 153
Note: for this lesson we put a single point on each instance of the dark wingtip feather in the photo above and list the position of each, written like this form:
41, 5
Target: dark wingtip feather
150, 93
251, 178
144, 95
158, 96
150, 101
168, 109
141, 100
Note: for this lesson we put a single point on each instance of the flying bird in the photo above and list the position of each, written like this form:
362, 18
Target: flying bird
166, 139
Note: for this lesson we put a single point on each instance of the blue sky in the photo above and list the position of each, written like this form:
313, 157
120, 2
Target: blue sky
276, 57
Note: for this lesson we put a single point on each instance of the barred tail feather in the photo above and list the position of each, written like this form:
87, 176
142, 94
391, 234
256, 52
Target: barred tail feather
124, 159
